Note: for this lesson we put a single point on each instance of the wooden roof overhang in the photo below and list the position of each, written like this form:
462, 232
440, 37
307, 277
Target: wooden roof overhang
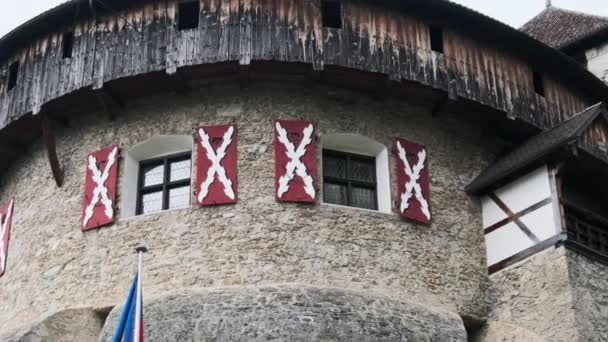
439, 11
574, 143
373, 74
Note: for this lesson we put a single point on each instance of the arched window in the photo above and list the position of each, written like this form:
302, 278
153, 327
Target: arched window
355, 172
158, 175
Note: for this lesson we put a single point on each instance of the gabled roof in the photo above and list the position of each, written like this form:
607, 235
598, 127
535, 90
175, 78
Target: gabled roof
560, 28
537, 148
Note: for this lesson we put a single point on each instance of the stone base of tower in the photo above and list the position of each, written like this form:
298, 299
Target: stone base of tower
289, 313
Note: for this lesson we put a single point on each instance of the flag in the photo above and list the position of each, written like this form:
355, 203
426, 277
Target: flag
130, 326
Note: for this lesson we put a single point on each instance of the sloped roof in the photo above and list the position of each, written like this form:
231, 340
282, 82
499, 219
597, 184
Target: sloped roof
537, 148
559, 27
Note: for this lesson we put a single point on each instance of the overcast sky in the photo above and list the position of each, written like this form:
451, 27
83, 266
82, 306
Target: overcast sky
512, 12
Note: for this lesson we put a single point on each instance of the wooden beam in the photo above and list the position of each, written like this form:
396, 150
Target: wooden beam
10, 148
381, 89
442, 103
48, 137
514, 218
110, 102
179, 83
555, 183
554, 241
244, 76
517, 216
313, 77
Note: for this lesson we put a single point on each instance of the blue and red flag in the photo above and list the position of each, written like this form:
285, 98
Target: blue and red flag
131, 323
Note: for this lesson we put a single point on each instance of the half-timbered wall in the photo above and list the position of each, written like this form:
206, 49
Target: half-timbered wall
518, 217
146, 39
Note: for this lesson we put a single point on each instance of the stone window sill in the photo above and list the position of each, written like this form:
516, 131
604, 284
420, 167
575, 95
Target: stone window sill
157, 213
344, 207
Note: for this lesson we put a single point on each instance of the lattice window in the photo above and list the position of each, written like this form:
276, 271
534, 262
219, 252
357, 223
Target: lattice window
587, 233
164, 183
349, 180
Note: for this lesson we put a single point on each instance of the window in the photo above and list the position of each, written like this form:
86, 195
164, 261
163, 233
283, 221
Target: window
188, 15
164, 183
436, 39
364, 152
349, 179
13, 73
67, 45
586, 230
331, 12
155, 148
539, 83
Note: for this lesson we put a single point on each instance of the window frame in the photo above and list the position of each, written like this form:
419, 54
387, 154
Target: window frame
166, 186
349, 182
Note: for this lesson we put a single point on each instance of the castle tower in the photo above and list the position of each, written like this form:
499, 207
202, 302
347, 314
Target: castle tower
299, 171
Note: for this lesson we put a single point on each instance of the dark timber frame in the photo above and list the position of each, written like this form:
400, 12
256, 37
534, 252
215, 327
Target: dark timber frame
48, 137
516, 218
554, 241
166, 185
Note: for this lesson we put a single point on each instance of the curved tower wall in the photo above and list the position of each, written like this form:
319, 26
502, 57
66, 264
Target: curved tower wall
53, 266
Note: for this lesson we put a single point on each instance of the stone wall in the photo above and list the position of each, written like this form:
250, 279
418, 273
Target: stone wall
53, 266
536, 295
494, 331
72, 325
288, 313
590, 285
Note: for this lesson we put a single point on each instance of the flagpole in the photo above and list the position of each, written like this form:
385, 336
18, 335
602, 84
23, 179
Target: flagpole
138, 304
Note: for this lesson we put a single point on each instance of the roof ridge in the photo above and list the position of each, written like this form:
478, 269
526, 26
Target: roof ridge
568, 10
560, 27
521, 28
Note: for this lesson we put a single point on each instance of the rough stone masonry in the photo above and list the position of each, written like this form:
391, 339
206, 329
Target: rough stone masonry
365, 269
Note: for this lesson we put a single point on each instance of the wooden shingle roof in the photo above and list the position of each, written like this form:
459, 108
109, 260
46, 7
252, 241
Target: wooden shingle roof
536, 149
560, 28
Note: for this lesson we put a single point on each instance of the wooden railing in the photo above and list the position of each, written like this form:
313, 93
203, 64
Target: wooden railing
587, 231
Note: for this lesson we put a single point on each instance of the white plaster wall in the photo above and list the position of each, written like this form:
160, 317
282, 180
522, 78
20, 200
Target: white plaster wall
519, 195
597, 61
506, 242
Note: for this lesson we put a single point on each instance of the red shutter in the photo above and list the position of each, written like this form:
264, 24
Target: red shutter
100, 188
295, 151
414, 193
216, 173
6, 221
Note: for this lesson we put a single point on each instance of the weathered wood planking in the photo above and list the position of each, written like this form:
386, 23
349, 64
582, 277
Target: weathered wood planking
595, 139
146, 39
